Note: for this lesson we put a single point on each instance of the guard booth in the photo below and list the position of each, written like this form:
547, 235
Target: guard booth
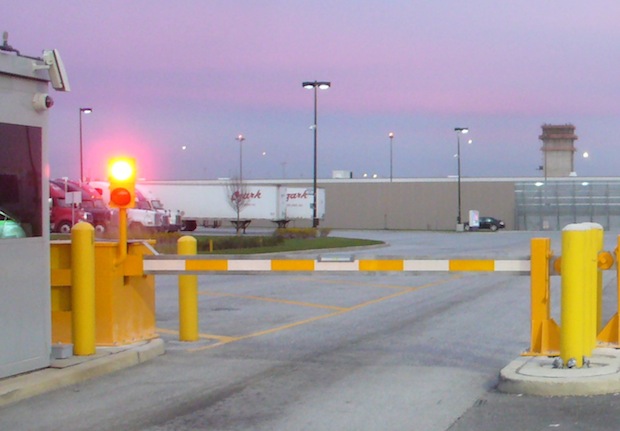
25, 328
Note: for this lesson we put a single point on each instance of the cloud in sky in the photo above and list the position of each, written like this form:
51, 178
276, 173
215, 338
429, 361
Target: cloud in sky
160, 75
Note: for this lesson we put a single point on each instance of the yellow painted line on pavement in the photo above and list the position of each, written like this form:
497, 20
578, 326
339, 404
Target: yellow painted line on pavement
324, 316
221, 338
276, 300
354, 283
403, 292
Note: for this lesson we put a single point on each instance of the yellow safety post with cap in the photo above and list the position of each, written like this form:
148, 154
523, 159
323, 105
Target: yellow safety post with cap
83, 321
581, 245
188, 293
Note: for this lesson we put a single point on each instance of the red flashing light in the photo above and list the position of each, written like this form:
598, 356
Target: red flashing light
122, 177
120, 197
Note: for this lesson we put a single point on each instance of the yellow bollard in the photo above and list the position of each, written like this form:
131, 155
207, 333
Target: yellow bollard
83, 289
188, 294
575, 259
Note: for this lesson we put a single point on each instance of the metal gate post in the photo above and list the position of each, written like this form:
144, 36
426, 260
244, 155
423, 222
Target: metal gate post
545, 332
611, 332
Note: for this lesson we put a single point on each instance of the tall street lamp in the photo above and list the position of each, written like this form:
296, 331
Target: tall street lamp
322, 85
459, 131
82, 111
391, 136
240, 138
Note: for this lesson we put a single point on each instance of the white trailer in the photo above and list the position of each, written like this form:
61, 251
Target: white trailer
204, 203
300, 201
208, 203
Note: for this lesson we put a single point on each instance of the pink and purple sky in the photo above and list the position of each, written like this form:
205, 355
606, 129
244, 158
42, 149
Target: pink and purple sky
162, 75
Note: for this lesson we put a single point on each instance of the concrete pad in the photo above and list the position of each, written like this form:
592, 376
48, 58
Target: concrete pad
65, 372
536, 376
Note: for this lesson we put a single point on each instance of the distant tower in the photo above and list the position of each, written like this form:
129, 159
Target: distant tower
558, 149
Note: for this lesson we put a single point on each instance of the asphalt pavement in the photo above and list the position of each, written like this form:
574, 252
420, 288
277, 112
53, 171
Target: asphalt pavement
535, 395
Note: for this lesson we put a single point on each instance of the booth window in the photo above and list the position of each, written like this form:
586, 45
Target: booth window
21, 212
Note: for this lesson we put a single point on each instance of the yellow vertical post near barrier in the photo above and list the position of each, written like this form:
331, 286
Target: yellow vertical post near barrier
122, 236
545, 332
599, 240
188, 294
589, 290
83, 289
593, 278
611, 332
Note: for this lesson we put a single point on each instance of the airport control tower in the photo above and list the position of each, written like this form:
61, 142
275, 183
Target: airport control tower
558, 150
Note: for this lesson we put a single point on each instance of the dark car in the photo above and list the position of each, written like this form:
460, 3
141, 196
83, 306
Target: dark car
488, 223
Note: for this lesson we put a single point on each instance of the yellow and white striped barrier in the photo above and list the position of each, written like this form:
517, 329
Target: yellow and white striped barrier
198, 265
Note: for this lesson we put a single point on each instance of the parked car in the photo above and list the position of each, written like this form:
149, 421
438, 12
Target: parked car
10, 227
491, 223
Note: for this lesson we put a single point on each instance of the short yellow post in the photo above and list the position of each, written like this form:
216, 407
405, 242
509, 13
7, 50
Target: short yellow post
83, 289
573, 344
188, 294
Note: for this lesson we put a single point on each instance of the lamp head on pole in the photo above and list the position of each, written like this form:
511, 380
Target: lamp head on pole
321, 85
86, 110
462, 130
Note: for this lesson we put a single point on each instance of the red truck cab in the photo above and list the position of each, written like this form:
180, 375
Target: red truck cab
63, 215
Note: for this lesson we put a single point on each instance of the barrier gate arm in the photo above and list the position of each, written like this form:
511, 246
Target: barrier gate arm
169, 264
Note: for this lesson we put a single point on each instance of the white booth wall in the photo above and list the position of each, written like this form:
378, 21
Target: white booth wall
25, 322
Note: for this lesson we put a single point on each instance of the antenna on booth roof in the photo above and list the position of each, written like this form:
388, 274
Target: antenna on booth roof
5, 44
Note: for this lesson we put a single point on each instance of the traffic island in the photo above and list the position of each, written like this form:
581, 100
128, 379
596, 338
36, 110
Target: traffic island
536, 375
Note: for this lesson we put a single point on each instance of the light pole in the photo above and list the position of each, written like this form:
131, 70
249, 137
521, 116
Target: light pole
82, 111
391, 136
240, 138
459, 131
323, 85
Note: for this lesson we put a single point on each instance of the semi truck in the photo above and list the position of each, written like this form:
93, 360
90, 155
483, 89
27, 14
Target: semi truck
64, 215
209, 203
91, 202
141, 219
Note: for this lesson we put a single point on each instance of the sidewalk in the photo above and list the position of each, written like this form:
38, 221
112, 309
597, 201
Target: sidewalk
65, 372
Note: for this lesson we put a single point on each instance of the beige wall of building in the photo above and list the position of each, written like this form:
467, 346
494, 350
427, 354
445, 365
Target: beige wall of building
416, 204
